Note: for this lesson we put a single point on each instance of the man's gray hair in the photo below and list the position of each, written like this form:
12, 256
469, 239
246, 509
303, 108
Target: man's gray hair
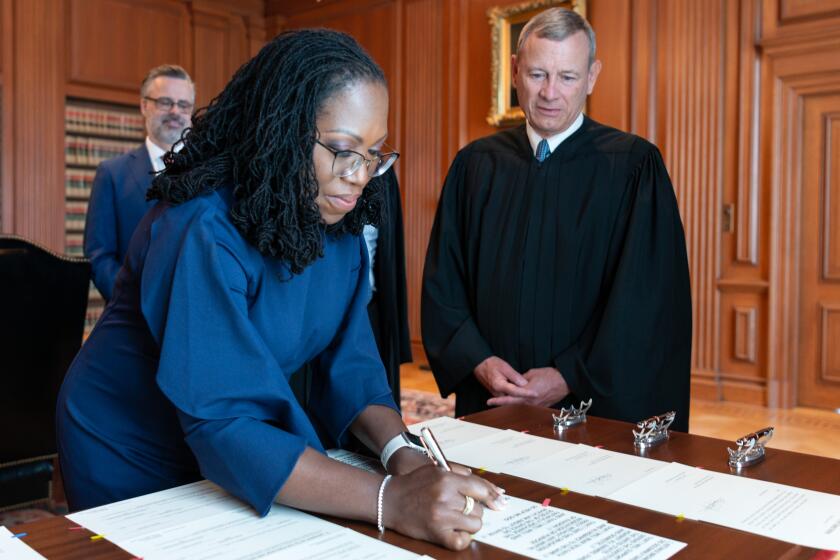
557, 24
167, 71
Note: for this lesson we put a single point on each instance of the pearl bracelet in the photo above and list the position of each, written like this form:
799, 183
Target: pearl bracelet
384, 483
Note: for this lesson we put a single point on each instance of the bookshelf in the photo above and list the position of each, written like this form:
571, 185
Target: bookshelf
94, 132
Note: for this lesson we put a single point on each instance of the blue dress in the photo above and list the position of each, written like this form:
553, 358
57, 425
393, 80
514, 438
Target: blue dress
186, 373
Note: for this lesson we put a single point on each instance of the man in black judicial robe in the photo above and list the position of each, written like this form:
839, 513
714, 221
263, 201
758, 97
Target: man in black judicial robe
550, 282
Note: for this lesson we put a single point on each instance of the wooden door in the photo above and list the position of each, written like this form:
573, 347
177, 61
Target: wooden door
819, 273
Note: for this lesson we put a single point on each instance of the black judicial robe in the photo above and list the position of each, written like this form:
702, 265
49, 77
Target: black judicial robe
577, 263
388, 308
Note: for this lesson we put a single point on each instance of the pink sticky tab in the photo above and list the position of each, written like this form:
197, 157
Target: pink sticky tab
599, 447
525, 431
75, 528
546, 502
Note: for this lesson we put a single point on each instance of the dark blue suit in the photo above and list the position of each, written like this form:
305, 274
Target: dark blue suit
117, 204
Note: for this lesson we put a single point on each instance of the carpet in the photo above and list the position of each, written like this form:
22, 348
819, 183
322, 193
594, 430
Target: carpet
418, 406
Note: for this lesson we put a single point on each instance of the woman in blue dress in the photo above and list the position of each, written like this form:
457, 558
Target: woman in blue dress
250, 265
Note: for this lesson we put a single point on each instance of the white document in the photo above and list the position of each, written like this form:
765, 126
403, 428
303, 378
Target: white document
356, 460
588, 470
539, 531
12, 548
451, 433
200, 520
777, 511
507, 451
666, 490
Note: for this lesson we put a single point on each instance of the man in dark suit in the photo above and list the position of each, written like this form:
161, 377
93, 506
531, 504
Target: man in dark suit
118, 197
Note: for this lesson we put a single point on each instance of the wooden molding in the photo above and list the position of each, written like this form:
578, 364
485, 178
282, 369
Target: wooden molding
93, 93
252, 8
799, 43
743, 285
795, 20
831, 200
830, 343
749, 393
744, 343
792, 11
749, 108
301, 13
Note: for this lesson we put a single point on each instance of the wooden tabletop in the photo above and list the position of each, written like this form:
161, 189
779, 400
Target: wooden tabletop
55, 539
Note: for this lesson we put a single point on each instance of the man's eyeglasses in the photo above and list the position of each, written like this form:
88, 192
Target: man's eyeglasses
347, 162
166, 104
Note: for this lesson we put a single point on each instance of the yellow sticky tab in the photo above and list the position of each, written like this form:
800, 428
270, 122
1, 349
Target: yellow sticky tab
564, 491
482, 470
680, 518
97, 537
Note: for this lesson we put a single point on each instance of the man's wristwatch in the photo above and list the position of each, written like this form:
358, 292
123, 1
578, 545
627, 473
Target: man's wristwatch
404, 439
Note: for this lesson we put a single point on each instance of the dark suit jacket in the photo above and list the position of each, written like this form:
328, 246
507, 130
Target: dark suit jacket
117, 203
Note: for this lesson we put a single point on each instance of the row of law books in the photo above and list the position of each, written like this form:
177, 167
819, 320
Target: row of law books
89, 151
101, 121
94, 132
74, 216
77, 183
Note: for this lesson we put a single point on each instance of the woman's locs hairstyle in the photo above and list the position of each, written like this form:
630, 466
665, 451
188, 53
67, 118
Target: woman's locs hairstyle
258, 135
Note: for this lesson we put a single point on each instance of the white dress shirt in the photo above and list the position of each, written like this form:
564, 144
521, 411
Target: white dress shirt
534, 138
156, 154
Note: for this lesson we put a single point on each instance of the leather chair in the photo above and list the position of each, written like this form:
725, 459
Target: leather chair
43, 298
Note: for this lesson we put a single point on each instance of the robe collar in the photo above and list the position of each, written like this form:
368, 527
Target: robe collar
534, 138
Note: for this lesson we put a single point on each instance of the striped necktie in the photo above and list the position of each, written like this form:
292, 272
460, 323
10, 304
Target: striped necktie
542, 150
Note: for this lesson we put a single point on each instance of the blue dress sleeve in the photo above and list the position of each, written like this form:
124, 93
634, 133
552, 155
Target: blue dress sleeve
349, 373
238, 414
100, 238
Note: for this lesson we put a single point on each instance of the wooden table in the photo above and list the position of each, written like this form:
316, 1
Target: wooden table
54, 539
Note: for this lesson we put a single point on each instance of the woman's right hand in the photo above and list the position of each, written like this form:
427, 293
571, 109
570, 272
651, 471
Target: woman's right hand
429, 503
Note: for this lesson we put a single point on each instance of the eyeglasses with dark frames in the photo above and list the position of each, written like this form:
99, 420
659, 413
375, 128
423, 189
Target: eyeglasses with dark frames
166, 104
347, 162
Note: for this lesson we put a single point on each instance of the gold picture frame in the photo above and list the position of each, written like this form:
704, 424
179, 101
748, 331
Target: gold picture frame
506, 23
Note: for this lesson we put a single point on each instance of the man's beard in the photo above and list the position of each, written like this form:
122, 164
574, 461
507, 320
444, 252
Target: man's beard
170, 135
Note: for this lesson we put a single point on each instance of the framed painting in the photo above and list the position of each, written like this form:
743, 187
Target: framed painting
506, 23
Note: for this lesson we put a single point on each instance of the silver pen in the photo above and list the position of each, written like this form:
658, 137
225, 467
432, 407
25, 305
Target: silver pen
435, 452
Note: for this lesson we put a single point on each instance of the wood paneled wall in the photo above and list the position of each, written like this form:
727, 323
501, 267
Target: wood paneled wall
99, 50
741, 96
703, 81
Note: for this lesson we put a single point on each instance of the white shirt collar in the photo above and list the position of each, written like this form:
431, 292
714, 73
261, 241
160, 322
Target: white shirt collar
156, 154
534, 138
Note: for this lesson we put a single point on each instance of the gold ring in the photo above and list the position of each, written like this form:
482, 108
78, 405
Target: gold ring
468, 507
